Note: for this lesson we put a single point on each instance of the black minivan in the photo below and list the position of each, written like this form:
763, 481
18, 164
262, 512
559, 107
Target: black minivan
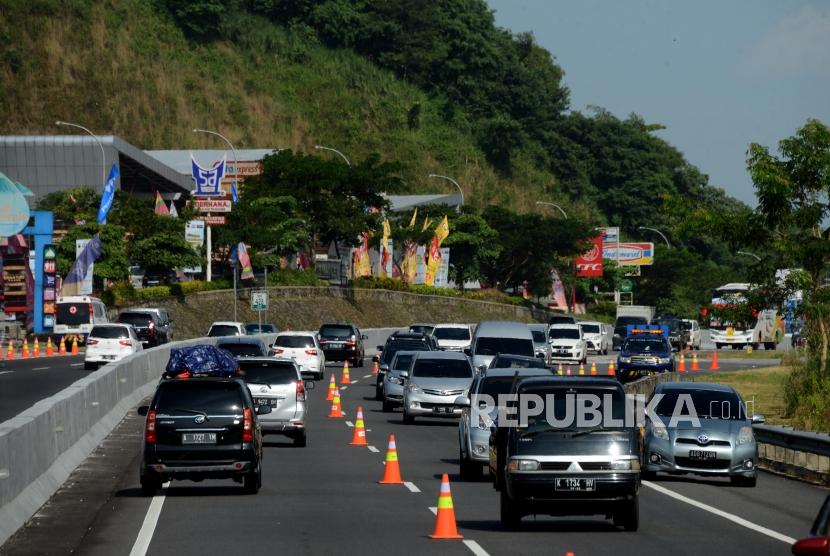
202, 428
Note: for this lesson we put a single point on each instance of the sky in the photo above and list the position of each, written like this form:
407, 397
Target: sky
718, 74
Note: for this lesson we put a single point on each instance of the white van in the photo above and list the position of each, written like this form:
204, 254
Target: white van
76, 315
500, 337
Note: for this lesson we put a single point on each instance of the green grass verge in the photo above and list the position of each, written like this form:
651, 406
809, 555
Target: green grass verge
762, 389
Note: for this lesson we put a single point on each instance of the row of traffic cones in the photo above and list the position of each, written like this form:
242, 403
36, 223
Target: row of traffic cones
562, 371
25, 353
713, 365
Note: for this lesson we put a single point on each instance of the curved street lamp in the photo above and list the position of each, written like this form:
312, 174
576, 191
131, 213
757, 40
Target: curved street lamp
455, 183
103, 155
748, 254
553, 205
321, 147
655, 230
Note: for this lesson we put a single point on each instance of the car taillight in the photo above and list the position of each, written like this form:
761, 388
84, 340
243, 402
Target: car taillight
300, 391
247, 425
152, 328
91, 312
150, 427
322, 341
311, 352
277, 351
352, 341
91, 342
126, 343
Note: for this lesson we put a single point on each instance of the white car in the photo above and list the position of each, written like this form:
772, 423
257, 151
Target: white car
304, 349
226, 328
110, 342
596, 337
452, 337
567, 343
694, 332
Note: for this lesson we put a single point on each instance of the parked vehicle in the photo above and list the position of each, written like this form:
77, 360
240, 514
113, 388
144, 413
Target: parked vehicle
678, 335
393, 381
452, 337
596, 337
109, 342
567, 468
243, 346
541, 342
278, 384
253, 328
342, 342
723, 444
434, 383
500, 337
397, 341
76, 315
567, 343
304, 349
148, 326
226, 328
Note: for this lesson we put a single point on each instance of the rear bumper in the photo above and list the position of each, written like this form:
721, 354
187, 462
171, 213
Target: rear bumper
340, 354
294, 427
222, 470
537, 492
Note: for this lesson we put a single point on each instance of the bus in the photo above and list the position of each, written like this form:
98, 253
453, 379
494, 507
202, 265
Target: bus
766, 327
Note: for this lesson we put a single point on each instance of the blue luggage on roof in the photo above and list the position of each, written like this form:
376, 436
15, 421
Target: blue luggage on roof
201, 360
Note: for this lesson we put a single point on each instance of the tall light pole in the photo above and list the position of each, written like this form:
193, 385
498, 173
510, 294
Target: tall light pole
208, 237
553, 205
103, 155
321, 147
453, 182
748, 254
655, 230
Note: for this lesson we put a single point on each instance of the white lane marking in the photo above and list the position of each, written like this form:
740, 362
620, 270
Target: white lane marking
731, 517
5, 372
373, 449
145, 535
367, 376
40, 368
349, 424
475, 548
355, 381
411, 486
75, 364
344, 387
434, 509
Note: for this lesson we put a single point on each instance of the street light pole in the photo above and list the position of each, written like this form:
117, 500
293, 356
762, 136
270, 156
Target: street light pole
321, 147
655, 230
553, 205
461, 191
103, 155
748, 254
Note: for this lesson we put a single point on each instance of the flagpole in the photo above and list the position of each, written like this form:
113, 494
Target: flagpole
208, 270
234, 288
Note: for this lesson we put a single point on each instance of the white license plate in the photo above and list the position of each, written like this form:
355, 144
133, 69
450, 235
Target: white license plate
576, 485
273, 402
198, 438
702, 454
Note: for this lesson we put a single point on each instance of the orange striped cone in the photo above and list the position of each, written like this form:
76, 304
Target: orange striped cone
332, 388
74, 346
50, 349
374, 367
36, 351
559, 370
713, 366
445, 517
345, 379
25, 351
568, 371
581, 369
62, 349
681, 367
611, 370
359, 436
336, 412
593, 368
695, 366
392, 473
10, 353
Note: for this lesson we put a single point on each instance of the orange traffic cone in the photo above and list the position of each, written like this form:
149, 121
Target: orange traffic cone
445, 517
36, 351
25, 351
568, 371
374, 367
593, 368
714, 365
560, 371
681, 367
10, 353
50, 350
695, 366
62, 349
345, 379
359, 436
611, 370
332, 388
581, 369
392, 473
336, 412
74, 346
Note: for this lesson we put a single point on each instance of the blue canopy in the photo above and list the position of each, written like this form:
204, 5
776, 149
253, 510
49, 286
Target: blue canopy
201, 359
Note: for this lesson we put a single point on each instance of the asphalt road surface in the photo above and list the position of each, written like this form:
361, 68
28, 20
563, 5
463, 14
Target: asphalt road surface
25, 381
325, 499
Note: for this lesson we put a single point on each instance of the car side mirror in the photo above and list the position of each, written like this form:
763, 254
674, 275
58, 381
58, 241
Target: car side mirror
364, 337
309, 385
758, 419
143, 410
468, 352
272, 352
540, 355
380, 348
462, 401
263, 409
482, 368
812, 546
404, 374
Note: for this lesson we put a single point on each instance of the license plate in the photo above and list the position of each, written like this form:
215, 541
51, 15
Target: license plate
198, 438
273, 402
335, 345
109, 357
443, 409
576, 485
702, 454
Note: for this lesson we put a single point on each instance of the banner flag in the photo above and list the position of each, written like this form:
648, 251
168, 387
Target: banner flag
244, 262
72, 282
109, 195
161, 206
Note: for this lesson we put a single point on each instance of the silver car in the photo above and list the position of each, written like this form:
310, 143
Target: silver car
434, 382
474, 438
541, 343
722, 445
278, 384
393, 381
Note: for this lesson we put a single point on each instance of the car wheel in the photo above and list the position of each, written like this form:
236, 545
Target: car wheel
379, 393
407, 418
300, 441
511, 516
387, 407
648, 475
769, 346
89, 366
740, 480
468, 470
252, 481
150, 484
628, 516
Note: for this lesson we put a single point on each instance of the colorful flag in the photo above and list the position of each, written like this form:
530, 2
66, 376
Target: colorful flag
442, 230
427, 222
244, 262
109, 195
385, 257
161, 207
362, 264
414, 218
73, 280
410, 262
173, 212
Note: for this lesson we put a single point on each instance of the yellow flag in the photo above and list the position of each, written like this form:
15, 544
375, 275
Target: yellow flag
442, 230
427, 222
387, 230
414, 217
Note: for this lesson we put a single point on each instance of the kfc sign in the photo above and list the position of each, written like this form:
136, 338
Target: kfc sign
589, 264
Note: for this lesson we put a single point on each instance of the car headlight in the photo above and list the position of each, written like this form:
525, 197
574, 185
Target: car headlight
414, 389
665, 360
483, 424
624, 360
745, 435
625, 464
395, 380
660, 432
523, 465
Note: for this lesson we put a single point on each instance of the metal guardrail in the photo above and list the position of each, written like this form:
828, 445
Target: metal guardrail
800, 441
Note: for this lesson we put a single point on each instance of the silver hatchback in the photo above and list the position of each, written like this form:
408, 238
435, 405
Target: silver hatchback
393, 381
278, 384
433, 384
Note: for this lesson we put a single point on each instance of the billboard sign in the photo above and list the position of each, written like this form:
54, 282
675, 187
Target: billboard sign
589, 264
609, 235
629, 254
213, 205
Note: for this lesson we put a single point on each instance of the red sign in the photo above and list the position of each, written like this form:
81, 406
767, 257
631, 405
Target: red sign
589, 264
212, 220
213, 205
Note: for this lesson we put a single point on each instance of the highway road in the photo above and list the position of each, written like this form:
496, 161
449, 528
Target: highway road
25, 381
325, 499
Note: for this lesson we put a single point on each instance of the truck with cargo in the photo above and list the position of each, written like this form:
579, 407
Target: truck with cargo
630, 314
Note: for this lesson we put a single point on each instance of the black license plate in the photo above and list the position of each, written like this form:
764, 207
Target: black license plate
702, 454
576, 485
198, 438
443, 409
273, 402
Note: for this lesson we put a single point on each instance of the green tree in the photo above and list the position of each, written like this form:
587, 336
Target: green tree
76, 205
267, 225
472, 246
112, 264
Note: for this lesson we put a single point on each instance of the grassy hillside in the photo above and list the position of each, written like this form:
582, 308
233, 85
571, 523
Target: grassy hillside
124, 67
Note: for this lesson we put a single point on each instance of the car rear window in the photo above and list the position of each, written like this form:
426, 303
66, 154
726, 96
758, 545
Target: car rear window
268, 372
516, 346
590, 328
260, 329
243, 350
109, 332
457, 333
514, 363
392, 348
72, 314
442, 368
422, 329
223, 330
497, 385
567, 403
538, 336
185, 397
294, 341
335, 331
136, 319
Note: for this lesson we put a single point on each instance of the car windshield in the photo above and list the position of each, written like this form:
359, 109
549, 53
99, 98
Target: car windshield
421, 328
268, 372
538, 336
72, 314
491, 346
392, 348
223, 330
136, 319
402, 362
451, 333
442, 368
711, 404
243, 350
625, 321
568, 406
182, 398
686, 325
294, 342
590, 329
507, 362
564, 333
109, 332
497, 385
336, 332
645, 345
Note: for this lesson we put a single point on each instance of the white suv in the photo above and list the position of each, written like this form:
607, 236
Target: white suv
452, 337
304, 349
110, 342
567, 343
